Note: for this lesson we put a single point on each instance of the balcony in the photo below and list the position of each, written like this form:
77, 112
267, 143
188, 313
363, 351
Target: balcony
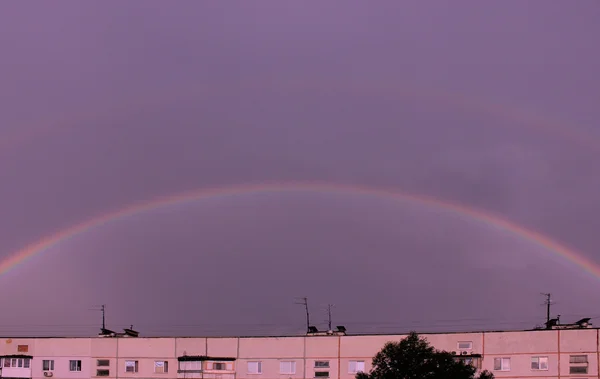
15, 366
200, 366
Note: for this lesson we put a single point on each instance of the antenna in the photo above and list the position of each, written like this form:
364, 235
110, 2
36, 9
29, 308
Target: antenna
304, 301
103, 310
548, 302
329, 306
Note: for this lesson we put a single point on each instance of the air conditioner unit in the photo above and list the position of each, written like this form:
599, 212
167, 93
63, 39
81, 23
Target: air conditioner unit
454, 353
48, 373
464, 352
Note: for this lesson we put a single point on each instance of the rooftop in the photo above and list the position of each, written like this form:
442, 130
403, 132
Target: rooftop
303, 335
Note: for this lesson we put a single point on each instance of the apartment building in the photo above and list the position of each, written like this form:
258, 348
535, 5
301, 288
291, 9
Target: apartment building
541, 354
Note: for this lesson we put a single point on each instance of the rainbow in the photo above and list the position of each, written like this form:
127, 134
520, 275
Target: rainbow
28, 252
455, 100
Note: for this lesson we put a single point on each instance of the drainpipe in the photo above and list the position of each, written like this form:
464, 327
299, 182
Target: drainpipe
339, 357
304, 360
117, 353
558, 350
237, 359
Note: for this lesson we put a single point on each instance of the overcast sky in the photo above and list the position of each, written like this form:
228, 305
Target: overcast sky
491, 105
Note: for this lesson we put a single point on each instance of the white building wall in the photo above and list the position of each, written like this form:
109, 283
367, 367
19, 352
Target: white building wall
557, 347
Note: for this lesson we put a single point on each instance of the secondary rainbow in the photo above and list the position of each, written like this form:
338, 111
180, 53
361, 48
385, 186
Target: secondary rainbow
549, 244
433, 96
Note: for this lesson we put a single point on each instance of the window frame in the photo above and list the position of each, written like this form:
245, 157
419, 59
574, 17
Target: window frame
258, 365
324, 365
77, 363
584, 370
540, 359
100, 371
132, 363
502, 360
225, 366
165, 367
16, 363
470, 343
325, 374
355, 361
50, 364
292, 366
574, 361
190, 366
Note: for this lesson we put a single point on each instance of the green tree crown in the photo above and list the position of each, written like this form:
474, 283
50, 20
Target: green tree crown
414, 358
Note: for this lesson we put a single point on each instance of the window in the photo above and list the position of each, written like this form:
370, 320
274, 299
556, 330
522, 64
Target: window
356, 367
579, 364
23, 348
131, 366
287, 367
473, 361
47, 365
502, 364
161, 367
539, 363
321, 364
190, 365
578, 359
74, 365
16, 362
103, 362
465, 345
255, 367
321, 374
219, 366
102, 372
578, 370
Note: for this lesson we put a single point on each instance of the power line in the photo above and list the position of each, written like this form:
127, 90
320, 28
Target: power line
265, 327
280, 328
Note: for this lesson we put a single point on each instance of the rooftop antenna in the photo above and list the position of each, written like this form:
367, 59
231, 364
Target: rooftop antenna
547, 303
103, 310
329, 306
304, 301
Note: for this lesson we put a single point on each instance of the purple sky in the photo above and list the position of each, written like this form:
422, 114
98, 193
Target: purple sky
109, 103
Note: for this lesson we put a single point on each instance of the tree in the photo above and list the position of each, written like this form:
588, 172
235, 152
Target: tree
414, 358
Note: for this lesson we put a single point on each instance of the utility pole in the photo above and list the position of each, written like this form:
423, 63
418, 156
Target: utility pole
304, 301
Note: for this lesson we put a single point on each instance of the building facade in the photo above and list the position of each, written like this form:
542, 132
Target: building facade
541, 354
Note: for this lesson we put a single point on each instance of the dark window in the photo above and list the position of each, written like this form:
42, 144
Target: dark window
103, 362
102, 372
131, 366
322, 374
578, 370
578, 359
219, 366
74, 365
47, 365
